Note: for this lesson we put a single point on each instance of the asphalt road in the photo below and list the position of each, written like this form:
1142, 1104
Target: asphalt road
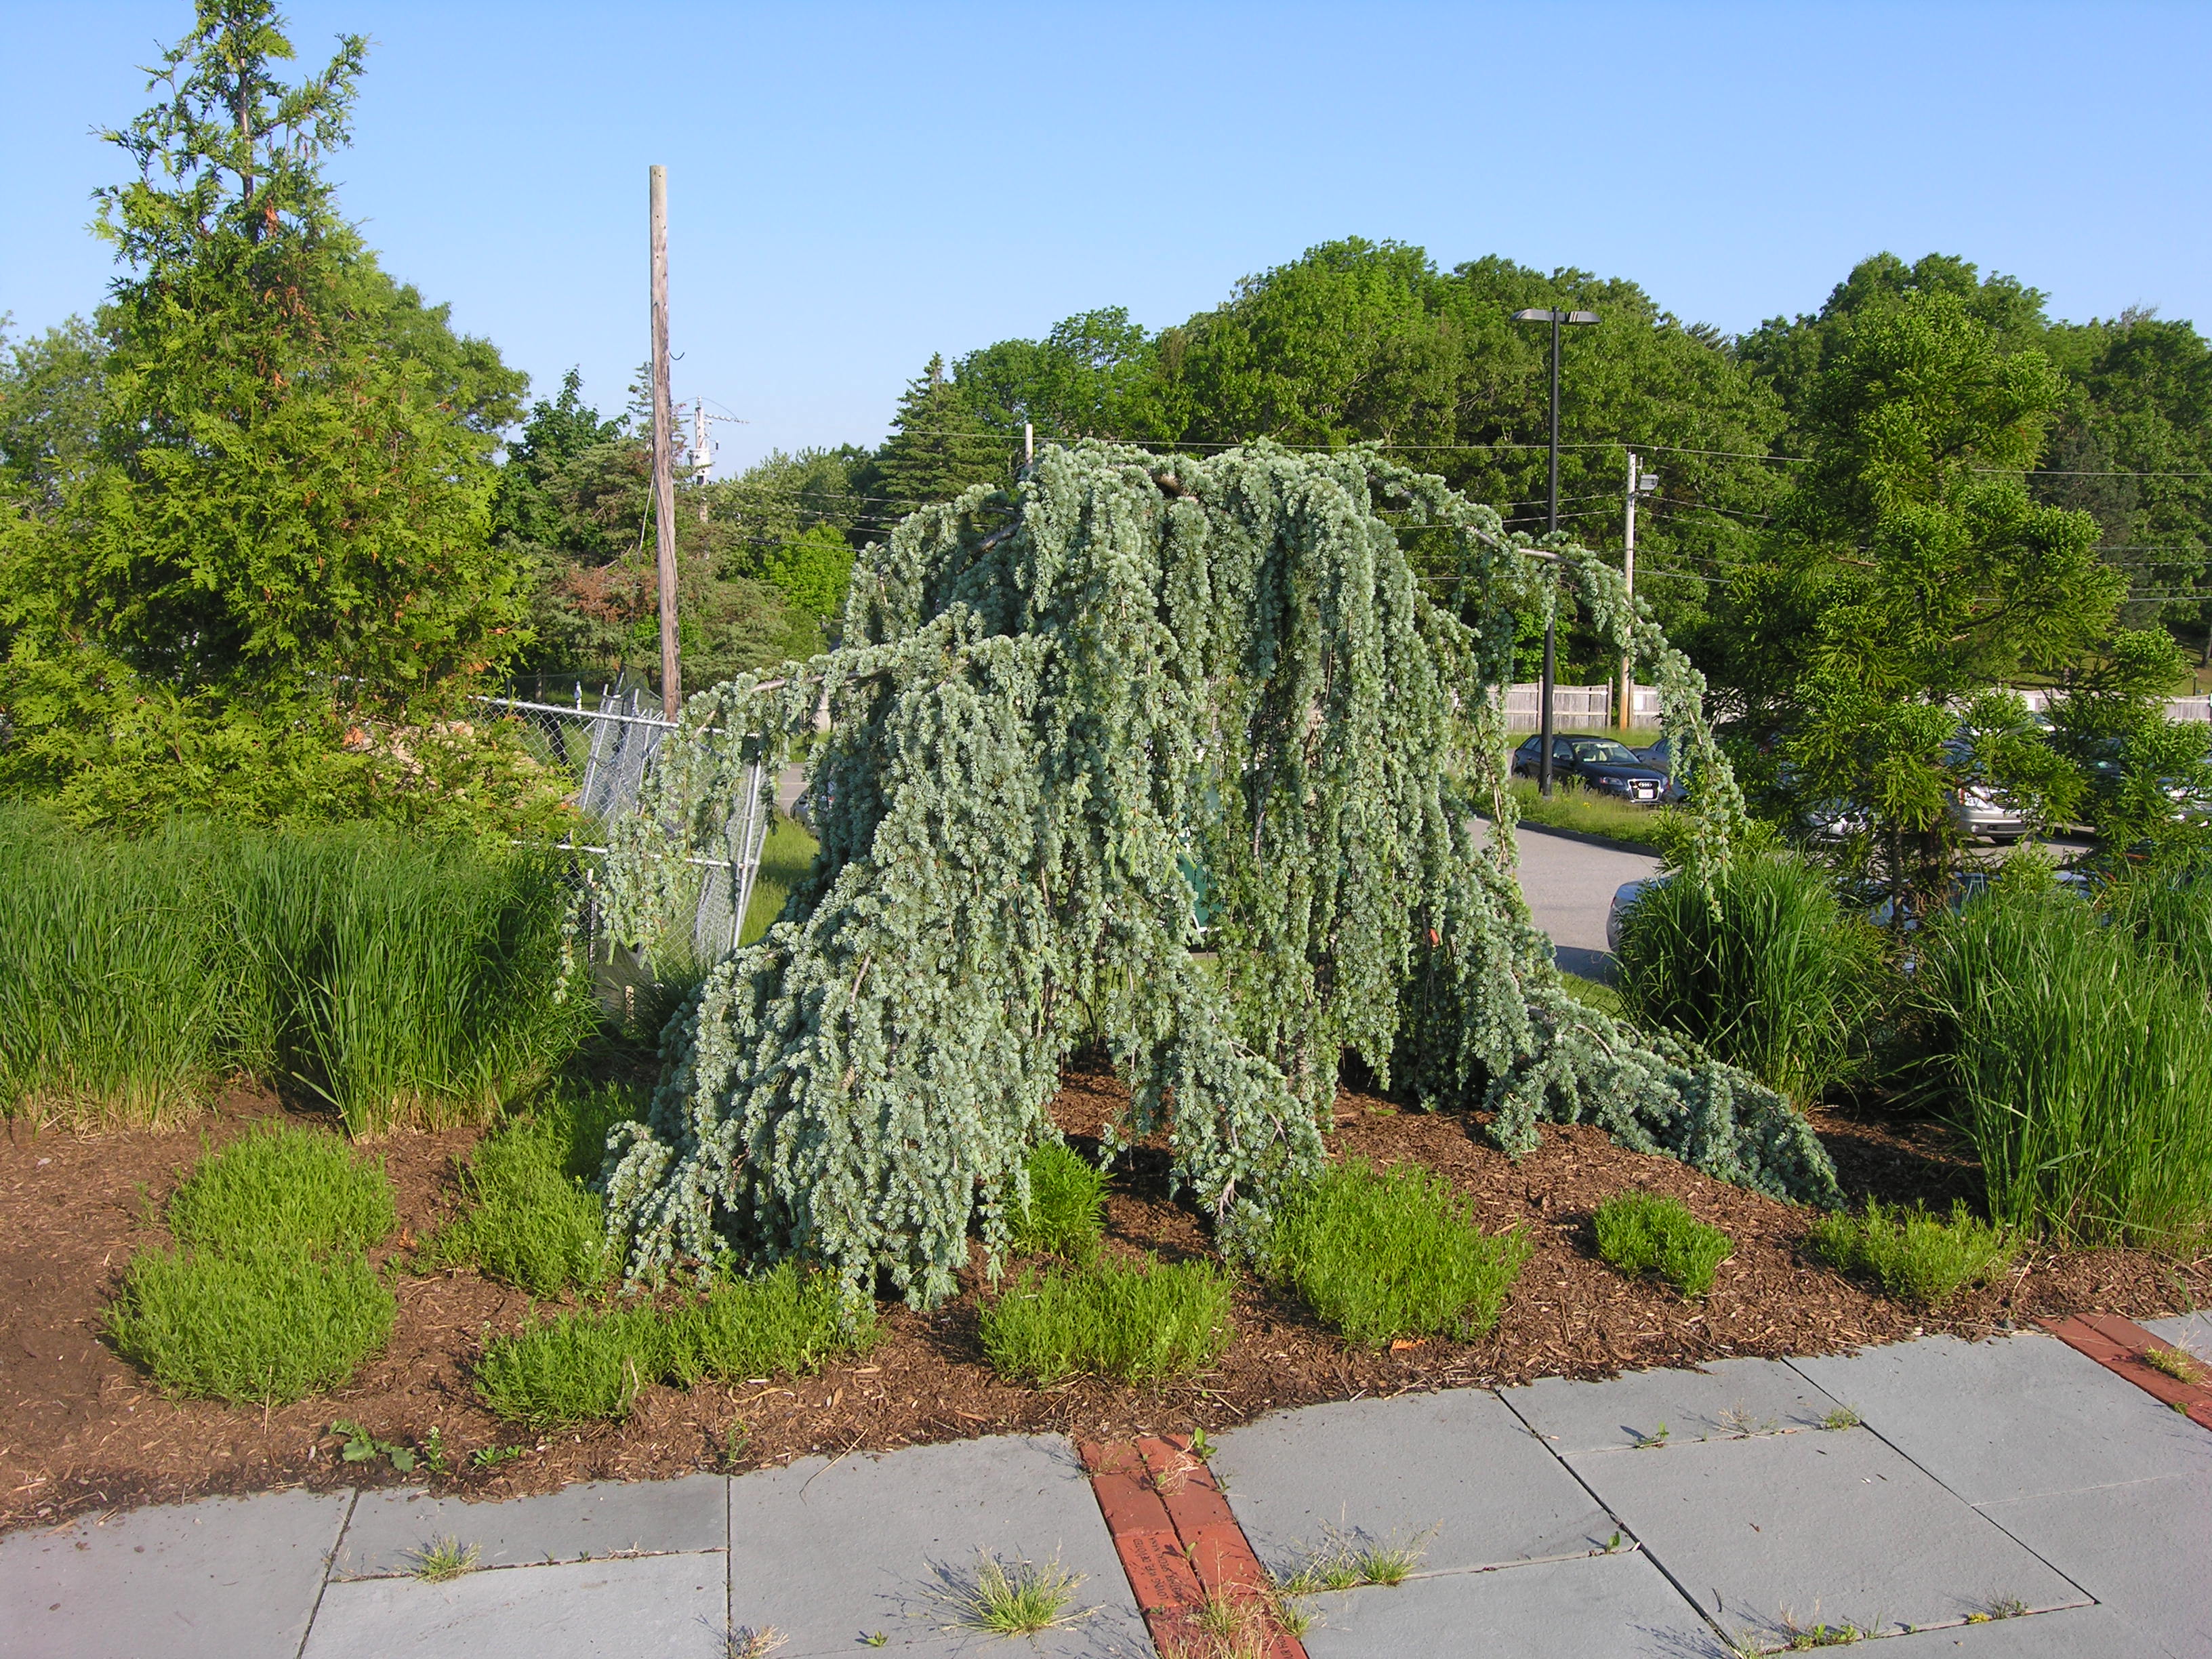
1569, 885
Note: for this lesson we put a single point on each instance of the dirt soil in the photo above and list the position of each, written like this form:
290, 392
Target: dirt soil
82, 1430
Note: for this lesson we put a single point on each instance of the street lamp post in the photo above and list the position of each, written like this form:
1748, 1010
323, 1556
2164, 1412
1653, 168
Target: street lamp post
1557, 319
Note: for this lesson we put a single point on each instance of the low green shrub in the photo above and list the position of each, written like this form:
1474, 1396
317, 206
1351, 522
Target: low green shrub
1587, 812
1066, 1214
1763, 969
585, 1366
1391, 1253
1134, 1321
574, 1367
284, 1189
1646, 1232
262, 1329
1912, 1254
2077, 1054
787, 1321
531, 1224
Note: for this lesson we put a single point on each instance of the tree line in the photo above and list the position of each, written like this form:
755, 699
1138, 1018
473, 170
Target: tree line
267, 518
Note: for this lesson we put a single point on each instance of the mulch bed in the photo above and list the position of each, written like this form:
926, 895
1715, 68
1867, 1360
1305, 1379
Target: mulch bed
81, 1429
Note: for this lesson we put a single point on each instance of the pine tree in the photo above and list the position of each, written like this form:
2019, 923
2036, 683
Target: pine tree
938, 447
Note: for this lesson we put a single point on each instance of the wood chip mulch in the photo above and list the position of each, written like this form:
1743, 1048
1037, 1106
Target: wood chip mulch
82, 1430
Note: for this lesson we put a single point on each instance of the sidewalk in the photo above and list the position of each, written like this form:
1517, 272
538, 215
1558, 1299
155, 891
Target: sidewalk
2005, 1498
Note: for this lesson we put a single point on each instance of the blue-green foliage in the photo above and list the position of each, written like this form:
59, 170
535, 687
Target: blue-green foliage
1050, 703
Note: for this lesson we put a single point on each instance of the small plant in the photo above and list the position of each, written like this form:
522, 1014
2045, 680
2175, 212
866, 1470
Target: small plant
1823, 1635
2179, 1364
1200, 1447
1349, 1561
733, 1443
574, 1367
1388, 1253
488, 1457
284, 1189
1741, 1422
434, 1451
2000, 1606
1066, 1209
1022, 1599
362, 1447
1912, 1254
746, 1643
531, 1224
1657, 1437
1844, 1417
442, 1558
1646, 1232
264, 1329
579, 1367
875, 1639
1133, 1321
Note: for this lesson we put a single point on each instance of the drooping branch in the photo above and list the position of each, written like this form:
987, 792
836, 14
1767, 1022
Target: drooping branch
1190, 771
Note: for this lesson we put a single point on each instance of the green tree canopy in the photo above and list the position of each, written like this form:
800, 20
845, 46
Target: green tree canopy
280, 533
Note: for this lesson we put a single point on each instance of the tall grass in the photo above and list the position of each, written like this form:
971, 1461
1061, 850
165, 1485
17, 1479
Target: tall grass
2078, 1057
1134, 1321
1765, 969
1587, 812
402, 983
108, 1010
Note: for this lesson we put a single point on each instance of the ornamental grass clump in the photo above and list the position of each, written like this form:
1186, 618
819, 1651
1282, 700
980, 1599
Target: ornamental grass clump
1912, 1254
2076, 1053
1134, 1321
1066, 1213
1648, 1233
1759, 964
1392, 1253
1057, 708
269, 1295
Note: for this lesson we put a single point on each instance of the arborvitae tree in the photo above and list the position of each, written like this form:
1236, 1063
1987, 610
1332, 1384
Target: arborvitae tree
1058, 710
282, 540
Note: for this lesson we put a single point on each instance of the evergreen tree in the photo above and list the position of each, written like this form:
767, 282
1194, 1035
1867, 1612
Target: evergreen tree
280, 537
938, 447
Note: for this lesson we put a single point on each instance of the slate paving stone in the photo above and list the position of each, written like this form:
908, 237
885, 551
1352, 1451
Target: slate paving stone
225, 1578
1613, 1607
828, 1552
601, 1518
2070, 1633
1455, 1475
1830, 1528
2192, 1331
2014, 1416
2144, 1550
1730, 1396
671, 1607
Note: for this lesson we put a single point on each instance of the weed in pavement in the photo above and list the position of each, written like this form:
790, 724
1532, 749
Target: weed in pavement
1912, 1254
1348, 1561
1067, 1207
286, 1189
442, 1558
2177, 1362
1391, 1253
746, 1643
261, 1329
1646, 1232
1134, 1321
1021, 1599
1844, 1417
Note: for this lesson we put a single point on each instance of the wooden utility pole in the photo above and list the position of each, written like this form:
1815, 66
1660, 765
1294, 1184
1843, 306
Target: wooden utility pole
664, 459
1628, 574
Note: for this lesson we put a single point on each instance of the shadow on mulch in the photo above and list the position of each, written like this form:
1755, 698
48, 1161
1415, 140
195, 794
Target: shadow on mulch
83, 1431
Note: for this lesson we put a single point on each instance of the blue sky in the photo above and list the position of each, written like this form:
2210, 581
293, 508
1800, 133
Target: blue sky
853, 186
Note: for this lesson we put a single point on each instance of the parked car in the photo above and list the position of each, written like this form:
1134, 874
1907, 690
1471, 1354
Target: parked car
1609, 768
1660, 757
